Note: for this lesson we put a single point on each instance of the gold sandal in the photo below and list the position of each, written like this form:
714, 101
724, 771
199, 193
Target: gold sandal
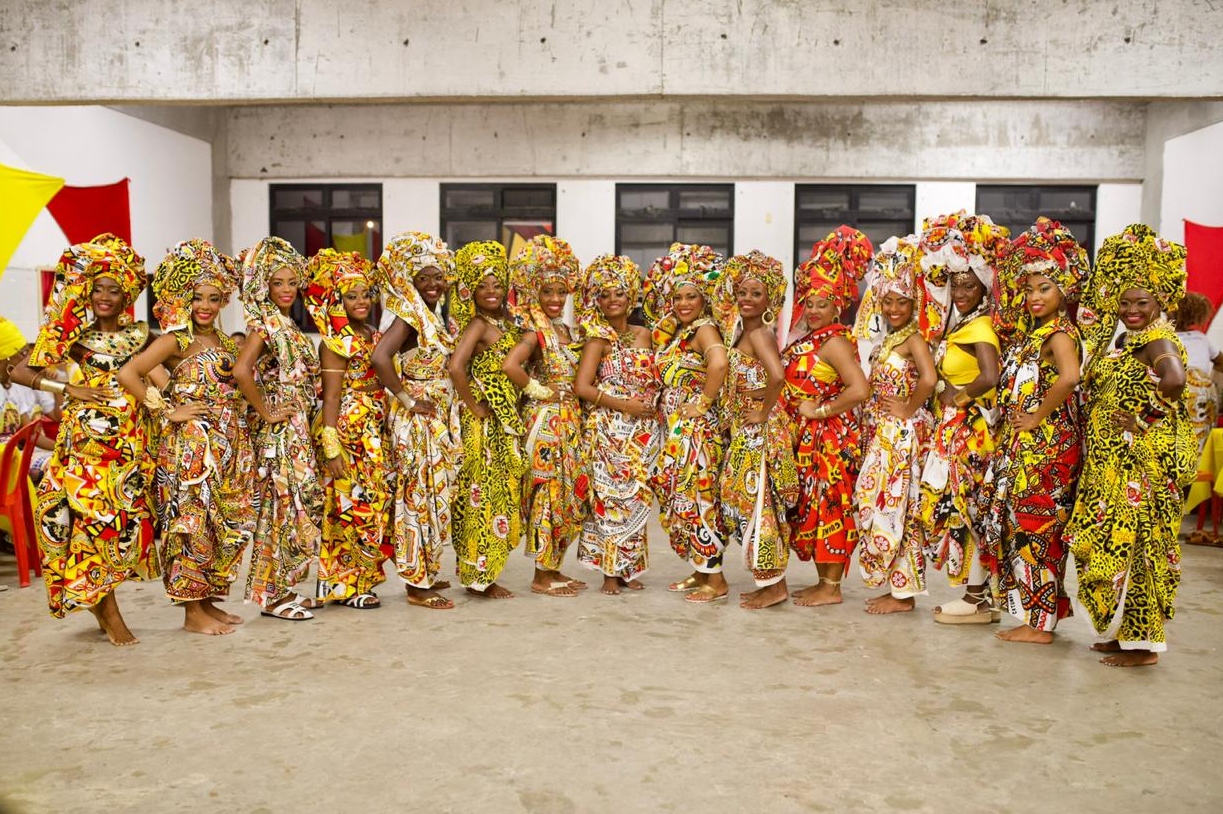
684, 585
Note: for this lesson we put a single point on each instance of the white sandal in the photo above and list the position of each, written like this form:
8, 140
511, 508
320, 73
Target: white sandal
960, 612
362, 601
292, 611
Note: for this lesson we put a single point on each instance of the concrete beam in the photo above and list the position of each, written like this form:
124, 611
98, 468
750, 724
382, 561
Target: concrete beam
254, 51
1070, 141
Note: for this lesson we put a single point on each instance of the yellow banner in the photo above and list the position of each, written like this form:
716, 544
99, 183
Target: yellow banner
24, 194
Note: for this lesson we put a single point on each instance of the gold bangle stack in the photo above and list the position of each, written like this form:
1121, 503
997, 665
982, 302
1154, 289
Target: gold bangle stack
153, 400
330, 440
704, 403
962, 398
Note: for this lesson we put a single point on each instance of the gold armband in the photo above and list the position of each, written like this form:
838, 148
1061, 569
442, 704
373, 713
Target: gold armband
962, 398
153, 401
330, 439
1162, 356
704, 403
51, 386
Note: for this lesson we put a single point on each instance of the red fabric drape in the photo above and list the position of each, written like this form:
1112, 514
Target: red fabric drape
1204, 262
86, 212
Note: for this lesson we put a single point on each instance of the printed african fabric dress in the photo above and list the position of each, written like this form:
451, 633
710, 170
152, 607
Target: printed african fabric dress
685, 477
556, 487
356, 505
488, 492
204, 476
960, 451
622, 450
827, 453
93, 517
1029, 488
1123, 532
289, 490
425, 454
888, 491
759, 479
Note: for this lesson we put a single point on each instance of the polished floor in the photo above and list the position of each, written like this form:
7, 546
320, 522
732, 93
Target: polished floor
636, 703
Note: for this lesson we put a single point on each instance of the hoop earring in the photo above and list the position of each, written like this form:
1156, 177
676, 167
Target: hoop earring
768, 317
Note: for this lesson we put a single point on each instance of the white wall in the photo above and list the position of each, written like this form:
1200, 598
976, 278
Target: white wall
1117, 206
934, 198
171, 189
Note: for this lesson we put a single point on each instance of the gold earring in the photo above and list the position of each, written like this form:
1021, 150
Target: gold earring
768, 317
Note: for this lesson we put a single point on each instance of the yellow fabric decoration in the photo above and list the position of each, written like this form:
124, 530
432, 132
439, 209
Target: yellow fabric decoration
25, 194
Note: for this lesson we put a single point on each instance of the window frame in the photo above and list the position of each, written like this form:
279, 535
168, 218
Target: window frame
674, 214
852, 214
499, 212
1086, 236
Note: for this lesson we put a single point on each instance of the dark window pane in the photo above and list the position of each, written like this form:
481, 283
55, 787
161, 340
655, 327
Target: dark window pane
884, 201
459, 232
635, 200
647, 233
714, 236
816, 198
709, 200
356, 199
644, 256
297, 198
480, 198
528, 198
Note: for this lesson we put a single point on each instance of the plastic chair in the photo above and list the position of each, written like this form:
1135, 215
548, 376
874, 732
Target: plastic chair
16, 509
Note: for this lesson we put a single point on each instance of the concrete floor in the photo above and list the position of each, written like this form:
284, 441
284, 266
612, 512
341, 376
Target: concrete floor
594, 704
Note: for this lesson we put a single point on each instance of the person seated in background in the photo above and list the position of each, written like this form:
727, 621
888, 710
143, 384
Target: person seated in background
19, 405
1192, 318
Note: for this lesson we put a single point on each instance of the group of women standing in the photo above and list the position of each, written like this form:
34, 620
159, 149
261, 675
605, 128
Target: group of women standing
485, 417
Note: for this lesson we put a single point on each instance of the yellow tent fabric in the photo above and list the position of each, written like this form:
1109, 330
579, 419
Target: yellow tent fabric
351, 243
25, 194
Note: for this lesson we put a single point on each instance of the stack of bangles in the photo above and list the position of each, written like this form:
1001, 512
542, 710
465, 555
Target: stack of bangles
330, 439
47, 385
822, 412
703, 403
407, 401
962, 398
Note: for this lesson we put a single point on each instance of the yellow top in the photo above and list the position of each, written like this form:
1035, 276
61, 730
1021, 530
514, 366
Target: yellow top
959, 366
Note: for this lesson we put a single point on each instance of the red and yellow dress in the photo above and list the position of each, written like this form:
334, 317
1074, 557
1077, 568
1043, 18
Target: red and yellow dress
204, 476
93, 517
827, 452
356, 505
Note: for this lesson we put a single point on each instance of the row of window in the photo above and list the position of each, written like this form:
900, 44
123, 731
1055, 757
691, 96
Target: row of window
650, 217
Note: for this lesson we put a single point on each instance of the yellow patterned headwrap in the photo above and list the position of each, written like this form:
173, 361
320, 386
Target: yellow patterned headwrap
1136, 258
1047, 248
11, 338
405, 256
331, 275
684, 264
544, 260
755, 265
68, 312
606, 272
473, 263
189, 264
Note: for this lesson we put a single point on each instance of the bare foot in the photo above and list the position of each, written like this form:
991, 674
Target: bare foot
1107, 647
111, 622
749, 594
1131, 658
217, 613
826, 593
766, 597
199, 620
889, 604
1023, 633
493, 591
611, 586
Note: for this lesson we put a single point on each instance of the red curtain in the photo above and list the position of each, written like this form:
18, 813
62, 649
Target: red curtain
86, 212
1204, 262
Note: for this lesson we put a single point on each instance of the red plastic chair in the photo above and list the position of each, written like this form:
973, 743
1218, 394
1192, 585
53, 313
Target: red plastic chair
15, 504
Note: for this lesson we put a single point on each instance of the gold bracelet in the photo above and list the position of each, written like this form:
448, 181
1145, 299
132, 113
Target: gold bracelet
598, 398
967, 398
705, 353
704, 403
821, 412
52, 386
1162, 356
330, 440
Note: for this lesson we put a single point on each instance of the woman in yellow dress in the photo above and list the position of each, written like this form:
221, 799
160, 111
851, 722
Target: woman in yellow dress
691, 360
277, 372
204, 461
759, 482
618, 380
1140, 449
425, 435
488, 493
556, 486
92, 516
350, 432
967, 357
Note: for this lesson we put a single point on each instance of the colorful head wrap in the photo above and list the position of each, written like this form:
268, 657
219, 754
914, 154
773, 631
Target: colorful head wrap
544, 260
68, 312
606, 272
684, 264
11, 338
259, 263
473, 263
1136, 258
895, 269
405, 256
832, 272
331, 275
189, 264
987, 242
1046, 248
755, 265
